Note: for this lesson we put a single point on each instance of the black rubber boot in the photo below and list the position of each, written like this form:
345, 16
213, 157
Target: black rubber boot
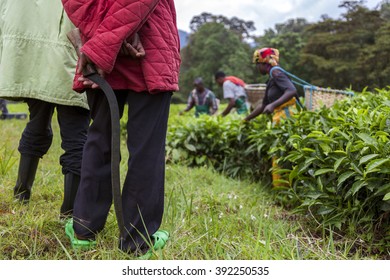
26, 174
71, 185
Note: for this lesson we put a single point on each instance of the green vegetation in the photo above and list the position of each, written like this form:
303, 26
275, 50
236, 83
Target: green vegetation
351, 51
213, 48
209, 216
335, 160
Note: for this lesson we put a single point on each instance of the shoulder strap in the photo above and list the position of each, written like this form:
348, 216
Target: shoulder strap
294, 79
274, 68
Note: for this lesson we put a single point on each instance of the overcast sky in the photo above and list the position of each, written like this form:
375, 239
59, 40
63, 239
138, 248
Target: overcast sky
264, 13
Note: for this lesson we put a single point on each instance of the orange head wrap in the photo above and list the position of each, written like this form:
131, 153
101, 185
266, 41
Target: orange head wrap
266, 55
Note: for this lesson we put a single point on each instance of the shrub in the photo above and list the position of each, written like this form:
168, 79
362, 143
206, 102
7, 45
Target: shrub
336, 160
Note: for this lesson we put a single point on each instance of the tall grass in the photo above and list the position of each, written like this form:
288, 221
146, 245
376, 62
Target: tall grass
208, 216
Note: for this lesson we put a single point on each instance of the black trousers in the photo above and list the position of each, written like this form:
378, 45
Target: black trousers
143, 188
3, 106
37, 136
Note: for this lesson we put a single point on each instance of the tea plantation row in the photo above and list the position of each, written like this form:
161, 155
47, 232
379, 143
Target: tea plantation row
335, 161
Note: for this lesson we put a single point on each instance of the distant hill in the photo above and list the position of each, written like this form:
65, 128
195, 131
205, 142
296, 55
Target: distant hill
183, 38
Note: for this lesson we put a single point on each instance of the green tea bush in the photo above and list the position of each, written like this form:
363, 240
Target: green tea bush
336, 160
223, 143
340, 161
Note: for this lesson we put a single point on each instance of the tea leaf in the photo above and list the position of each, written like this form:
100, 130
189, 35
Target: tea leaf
356, 187
345, 176
338, 162
325, 210
190, 147
367, 139
373, 165
353, 165
383, 189
323, 171
367, 158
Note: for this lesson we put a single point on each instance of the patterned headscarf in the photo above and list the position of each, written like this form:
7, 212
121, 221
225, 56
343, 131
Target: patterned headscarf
266, 55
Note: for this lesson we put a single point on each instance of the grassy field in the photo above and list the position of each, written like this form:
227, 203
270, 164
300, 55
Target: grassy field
209, 216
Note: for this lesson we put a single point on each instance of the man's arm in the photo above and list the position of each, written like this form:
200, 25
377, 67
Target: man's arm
133, 48
190, 104
257, 111
229, 107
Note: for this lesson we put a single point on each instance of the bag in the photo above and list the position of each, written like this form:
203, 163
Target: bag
315, 97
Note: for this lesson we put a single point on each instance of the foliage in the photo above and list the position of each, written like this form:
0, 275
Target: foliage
336, 53
218, 142
340, 53
213, 48
7, 159
336, 160
351, 5
209, 216
340, 162
240, 27
385, 9
289, 39
379, 71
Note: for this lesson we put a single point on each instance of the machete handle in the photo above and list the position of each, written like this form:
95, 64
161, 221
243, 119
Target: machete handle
89, 70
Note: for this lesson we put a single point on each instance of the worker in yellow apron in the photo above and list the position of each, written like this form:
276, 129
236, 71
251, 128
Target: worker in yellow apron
280, 96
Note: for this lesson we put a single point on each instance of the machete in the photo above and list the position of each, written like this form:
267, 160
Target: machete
90, 72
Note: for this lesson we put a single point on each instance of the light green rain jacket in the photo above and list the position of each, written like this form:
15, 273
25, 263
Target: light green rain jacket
36, 58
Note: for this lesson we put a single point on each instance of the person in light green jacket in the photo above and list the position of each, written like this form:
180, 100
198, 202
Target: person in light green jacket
37, 64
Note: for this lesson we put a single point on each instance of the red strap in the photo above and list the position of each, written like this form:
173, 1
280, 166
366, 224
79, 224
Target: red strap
235, 80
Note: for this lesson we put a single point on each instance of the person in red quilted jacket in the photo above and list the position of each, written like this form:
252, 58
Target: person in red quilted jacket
146, 85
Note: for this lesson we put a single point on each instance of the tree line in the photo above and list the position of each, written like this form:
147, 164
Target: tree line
349, 52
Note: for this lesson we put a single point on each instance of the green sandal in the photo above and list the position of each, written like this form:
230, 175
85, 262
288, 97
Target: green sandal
77, 243
159, 239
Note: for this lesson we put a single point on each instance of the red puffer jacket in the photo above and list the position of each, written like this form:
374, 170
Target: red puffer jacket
105, 24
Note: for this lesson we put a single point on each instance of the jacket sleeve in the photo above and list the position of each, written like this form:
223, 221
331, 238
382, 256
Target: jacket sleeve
107, 26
